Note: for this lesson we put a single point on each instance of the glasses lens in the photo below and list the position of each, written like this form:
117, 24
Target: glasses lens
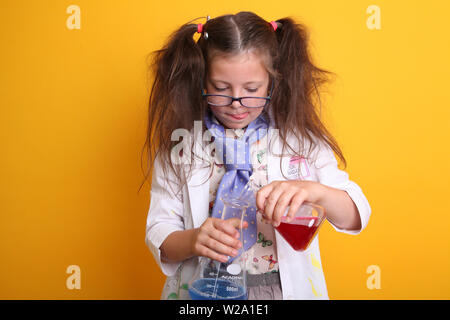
219, 101
253, 102
246, 102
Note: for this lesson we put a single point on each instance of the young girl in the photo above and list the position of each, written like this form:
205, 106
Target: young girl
269, 64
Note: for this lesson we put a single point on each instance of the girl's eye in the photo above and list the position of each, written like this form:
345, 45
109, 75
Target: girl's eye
223, 89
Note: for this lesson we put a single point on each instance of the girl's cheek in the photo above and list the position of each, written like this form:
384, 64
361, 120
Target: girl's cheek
254, 113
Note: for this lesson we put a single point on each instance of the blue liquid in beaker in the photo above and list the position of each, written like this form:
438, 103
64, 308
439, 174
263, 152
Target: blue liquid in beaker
203, 289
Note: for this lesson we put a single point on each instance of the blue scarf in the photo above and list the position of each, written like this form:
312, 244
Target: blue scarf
236, 159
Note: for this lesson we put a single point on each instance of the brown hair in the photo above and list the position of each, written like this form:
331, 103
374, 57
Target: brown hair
180, 67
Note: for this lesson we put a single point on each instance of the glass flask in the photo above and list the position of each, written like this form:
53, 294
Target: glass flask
302, 229
215, 280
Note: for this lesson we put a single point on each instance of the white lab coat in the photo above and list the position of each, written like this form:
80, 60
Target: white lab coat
300, 272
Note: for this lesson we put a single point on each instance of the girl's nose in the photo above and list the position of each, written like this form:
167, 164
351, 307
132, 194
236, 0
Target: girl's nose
236, 104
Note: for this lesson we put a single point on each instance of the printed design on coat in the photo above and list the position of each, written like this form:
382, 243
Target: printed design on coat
259, 155
173, 289
271, 261
315, 263
174, 295
263, 241
314, 291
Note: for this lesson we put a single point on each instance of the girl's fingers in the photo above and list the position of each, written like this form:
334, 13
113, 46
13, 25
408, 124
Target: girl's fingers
219, 239
209, 253
262, 195
296, 202
271, 201
226, 239
280, 208
223, 236
220, 248
229, 226
234, 223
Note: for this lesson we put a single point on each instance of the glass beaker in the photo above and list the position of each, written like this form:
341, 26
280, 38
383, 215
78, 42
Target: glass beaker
215, 280
301, 230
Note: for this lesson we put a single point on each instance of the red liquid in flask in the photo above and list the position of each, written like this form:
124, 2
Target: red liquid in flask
298, 233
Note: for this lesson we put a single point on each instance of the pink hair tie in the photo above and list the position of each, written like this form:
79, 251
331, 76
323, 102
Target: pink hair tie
199, 28
274, 25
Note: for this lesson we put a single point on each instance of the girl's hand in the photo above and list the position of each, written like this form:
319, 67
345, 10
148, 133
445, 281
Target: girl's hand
273, 199
217, 239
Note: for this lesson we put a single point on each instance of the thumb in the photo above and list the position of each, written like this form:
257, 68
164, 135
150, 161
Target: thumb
236, 222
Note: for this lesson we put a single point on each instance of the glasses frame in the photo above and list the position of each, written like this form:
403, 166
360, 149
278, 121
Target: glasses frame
268, 98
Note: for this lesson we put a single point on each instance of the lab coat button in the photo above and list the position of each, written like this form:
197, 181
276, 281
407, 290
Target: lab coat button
290, 297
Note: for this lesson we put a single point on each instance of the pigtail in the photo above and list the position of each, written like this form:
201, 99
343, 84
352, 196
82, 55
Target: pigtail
298, 104
175, 99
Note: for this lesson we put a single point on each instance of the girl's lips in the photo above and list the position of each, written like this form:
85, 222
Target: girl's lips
239, 116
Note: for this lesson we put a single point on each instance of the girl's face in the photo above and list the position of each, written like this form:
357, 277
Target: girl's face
241, 75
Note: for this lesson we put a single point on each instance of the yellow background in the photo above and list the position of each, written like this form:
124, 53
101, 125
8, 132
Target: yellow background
73, 121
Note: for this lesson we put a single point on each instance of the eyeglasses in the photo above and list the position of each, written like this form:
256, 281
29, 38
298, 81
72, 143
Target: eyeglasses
220, 100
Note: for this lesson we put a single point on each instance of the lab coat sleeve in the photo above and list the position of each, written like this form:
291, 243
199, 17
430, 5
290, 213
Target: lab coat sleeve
330, 175
165, 215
